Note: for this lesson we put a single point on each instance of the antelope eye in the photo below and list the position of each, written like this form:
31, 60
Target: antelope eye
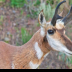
50, 32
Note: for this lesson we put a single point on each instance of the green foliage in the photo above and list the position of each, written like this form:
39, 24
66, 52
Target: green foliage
25, 36
69, 60
65, 58
33, 8
62, 56
1, 19
22, 12
2, 1
70, 2
48, 11
18, 3
50, 1
38, 25
28, 15
37, 3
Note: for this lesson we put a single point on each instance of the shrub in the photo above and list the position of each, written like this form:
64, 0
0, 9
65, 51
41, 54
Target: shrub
48, 11
18, 3
1, 1
25, 36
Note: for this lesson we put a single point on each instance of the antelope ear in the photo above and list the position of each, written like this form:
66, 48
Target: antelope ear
41, 19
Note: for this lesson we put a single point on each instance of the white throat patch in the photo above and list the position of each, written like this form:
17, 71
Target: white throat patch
13, 67
39, 52
32, 65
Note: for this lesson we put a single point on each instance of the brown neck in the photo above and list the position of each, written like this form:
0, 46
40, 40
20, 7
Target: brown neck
32, 53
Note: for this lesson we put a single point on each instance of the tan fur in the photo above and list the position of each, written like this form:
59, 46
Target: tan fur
21, 56
60, 36
28, 53
60, 26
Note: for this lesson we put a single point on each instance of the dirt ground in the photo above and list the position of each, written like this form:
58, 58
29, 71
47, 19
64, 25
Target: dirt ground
11, 22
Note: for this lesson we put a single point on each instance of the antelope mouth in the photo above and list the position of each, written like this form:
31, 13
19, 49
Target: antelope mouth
68, 54
68, 44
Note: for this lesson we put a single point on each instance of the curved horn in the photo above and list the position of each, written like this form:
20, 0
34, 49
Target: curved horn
53, 22
58, 17
68, 18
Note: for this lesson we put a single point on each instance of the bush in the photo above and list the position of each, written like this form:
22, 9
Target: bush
18, 3
1, 1
48, 11
25, 36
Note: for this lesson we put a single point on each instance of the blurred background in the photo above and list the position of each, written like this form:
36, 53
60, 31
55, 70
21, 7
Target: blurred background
19, 21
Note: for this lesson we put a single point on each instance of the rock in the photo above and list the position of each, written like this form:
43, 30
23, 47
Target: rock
2, 8
8, 33
14, 24
7, 39
14, 11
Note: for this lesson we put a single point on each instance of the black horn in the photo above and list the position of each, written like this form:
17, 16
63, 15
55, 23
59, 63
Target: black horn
58, 17
53, 22
68, 18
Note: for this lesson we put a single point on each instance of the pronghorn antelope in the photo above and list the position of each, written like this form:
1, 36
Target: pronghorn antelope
51, 36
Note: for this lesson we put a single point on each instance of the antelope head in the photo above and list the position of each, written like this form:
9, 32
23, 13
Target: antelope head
54, 31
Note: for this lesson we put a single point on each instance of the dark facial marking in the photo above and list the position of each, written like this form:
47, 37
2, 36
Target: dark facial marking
41, 19
45, 39
68, 43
